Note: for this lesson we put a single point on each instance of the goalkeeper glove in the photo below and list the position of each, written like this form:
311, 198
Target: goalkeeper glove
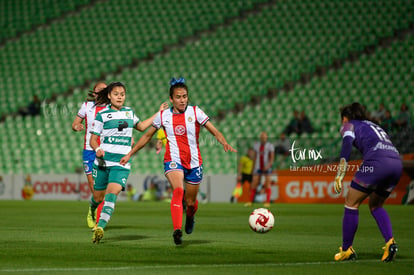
340, 175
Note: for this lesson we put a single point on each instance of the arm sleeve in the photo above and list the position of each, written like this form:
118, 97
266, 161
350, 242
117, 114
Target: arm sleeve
97, 125
202, 118
136, 120
348, 136
82, 110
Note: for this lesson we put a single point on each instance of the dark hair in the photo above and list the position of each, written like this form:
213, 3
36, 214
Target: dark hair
91, 94
103, 95
177, 83
354, 111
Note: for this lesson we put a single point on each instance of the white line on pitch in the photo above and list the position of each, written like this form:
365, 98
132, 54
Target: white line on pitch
190, 266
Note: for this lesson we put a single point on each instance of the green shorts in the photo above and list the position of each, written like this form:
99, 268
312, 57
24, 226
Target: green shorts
103, 176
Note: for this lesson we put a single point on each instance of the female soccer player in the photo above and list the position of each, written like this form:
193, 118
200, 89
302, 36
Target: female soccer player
113, 125
182, 159
87, 112
378, 175
263, 162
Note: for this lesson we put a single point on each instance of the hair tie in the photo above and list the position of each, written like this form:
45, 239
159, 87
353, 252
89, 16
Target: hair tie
174, 81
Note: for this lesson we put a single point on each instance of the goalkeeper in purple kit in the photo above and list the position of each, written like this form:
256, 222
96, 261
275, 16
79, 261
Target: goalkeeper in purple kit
377, 176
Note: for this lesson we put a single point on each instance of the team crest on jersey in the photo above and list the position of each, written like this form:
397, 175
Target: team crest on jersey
173, 165
179, 130
128, 115
190, 119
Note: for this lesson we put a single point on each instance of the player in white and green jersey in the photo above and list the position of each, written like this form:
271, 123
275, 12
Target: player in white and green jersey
113, 125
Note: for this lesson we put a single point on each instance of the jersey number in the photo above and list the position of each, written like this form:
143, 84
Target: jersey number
381, 134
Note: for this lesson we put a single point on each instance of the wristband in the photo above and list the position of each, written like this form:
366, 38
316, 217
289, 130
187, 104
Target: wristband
99, 148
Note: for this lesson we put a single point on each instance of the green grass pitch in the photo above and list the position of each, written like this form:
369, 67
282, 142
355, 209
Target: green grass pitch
50, 237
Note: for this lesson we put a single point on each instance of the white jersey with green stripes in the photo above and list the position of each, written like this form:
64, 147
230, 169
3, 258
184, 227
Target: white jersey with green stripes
115, 130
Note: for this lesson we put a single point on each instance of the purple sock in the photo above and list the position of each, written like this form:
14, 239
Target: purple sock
349, 227
383, 222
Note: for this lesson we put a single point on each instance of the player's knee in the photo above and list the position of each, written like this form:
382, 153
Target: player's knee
98, 197
190, 202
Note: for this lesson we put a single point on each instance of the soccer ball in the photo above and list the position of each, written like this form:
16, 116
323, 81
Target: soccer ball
261, 220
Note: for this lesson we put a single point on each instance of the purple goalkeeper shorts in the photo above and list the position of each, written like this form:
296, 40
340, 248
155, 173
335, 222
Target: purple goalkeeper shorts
381, 176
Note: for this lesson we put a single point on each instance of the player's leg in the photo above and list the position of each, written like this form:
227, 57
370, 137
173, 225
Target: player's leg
387, 177
111, 195
268, 189
350, 221
176, 179
88, 158
91, 218
192, 205
255, 184
384, 224
100, 177
98, 214
193, 178
117, 178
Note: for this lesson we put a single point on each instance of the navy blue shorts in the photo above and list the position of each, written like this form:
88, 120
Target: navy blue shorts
193, 176
262, 172
88, 159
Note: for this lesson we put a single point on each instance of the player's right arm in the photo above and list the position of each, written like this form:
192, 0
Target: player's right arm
95, 134
348, 136
143, 125
77, 124
139, 145
95, 146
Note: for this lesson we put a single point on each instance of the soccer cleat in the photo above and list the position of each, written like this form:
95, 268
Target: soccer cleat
248, 204
189, 224
177, 235
349, 254
97, 235
266, 204
390, 251
91, 218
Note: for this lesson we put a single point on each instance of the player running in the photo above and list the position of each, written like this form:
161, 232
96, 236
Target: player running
113, 125
87, 112
182, 159
378, 175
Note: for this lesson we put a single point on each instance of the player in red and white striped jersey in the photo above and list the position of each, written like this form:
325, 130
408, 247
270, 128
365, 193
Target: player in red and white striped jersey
87, 112
264, 156
182, 160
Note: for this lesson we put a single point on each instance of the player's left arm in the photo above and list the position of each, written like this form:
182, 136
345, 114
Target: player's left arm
145, 138
144, 125
219, 136
271, 159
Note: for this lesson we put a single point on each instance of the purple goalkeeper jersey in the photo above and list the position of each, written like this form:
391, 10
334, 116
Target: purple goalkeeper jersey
369, 138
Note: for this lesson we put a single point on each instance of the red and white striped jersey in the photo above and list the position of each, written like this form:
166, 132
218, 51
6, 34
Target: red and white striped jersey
182, 132
262, 154
88, 112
